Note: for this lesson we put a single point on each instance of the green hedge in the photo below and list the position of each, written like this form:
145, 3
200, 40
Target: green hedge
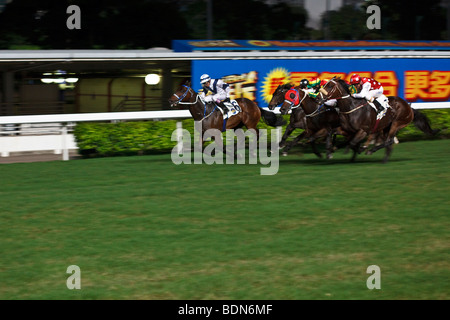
125, 138
145, 137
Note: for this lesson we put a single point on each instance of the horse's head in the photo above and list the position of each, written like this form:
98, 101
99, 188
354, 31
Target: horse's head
292, 99
183, 94
278, 95
335, 88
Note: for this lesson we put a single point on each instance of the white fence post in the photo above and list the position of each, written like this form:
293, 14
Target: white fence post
65, 150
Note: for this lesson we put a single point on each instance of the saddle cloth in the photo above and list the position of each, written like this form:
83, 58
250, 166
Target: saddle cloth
230, 105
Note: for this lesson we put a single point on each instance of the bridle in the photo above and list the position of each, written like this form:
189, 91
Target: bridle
292, 104
191, 91
332, 91
342, 97
180, 99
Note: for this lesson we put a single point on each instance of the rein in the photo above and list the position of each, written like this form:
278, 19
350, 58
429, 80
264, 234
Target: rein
197, 97
352, 110
312, 114
343, 97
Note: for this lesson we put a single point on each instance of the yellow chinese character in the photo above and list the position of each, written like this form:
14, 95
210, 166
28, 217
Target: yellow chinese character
439, 85
416, 84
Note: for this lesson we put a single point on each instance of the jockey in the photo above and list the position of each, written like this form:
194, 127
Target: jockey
315, 86
368, 88
304, 83
220, 93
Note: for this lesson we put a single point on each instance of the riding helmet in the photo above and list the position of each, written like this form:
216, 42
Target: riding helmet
304, 83
355, 78
205, 78
314, 82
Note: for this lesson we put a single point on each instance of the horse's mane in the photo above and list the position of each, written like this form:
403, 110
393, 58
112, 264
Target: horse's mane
343, 84
286, 86
185, 81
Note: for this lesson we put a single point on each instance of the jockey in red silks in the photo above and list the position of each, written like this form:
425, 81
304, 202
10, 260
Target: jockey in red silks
368, 88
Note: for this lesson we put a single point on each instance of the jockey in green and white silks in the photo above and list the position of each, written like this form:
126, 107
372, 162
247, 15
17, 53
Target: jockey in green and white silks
313, 88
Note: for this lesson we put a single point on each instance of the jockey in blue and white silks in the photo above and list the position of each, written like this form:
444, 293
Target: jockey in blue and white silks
220, 92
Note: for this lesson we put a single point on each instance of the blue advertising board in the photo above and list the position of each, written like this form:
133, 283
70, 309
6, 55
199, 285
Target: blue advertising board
302, 45
413, 79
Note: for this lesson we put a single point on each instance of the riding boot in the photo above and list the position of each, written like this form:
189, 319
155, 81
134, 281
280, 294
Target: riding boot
225, 109
378, 105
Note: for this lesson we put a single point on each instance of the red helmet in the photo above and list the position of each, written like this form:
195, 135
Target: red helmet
355, 78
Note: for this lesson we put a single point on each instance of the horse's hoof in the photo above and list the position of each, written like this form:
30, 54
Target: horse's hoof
330, 156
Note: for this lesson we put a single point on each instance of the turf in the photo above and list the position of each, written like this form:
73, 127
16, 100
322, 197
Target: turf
142, 227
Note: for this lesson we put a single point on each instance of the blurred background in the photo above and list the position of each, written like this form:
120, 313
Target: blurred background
142, 24
34, 82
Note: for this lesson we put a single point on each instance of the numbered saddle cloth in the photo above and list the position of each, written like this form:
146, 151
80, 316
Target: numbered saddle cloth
233, 109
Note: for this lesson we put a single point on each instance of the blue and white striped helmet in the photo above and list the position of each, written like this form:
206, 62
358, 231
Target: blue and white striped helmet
205, 78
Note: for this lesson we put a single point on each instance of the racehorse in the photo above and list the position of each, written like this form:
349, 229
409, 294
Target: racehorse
359, 119
296, 121
317, 120
212, 118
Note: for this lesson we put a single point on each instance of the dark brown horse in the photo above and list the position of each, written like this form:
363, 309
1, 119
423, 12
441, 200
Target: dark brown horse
359, 119
212, 118
317, 120
296, 121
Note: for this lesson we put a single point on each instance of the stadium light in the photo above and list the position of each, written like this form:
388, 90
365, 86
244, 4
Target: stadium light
152, 79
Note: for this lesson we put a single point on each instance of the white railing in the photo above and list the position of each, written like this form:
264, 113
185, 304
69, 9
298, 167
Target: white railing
53, 132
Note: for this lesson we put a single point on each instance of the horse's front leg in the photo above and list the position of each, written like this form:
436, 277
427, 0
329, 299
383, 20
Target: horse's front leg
294, 142
316, 135
329, 144
356, 142
370, 140
287, 133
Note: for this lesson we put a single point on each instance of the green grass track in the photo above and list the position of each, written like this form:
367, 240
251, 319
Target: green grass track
142, 227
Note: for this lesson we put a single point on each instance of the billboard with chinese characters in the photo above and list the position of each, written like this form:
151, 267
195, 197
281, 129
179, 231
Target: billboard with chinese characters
415, 80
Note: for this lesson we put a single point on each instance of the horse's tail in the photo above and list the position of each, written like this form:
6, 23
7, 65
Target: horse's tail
422, 122
271, 118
